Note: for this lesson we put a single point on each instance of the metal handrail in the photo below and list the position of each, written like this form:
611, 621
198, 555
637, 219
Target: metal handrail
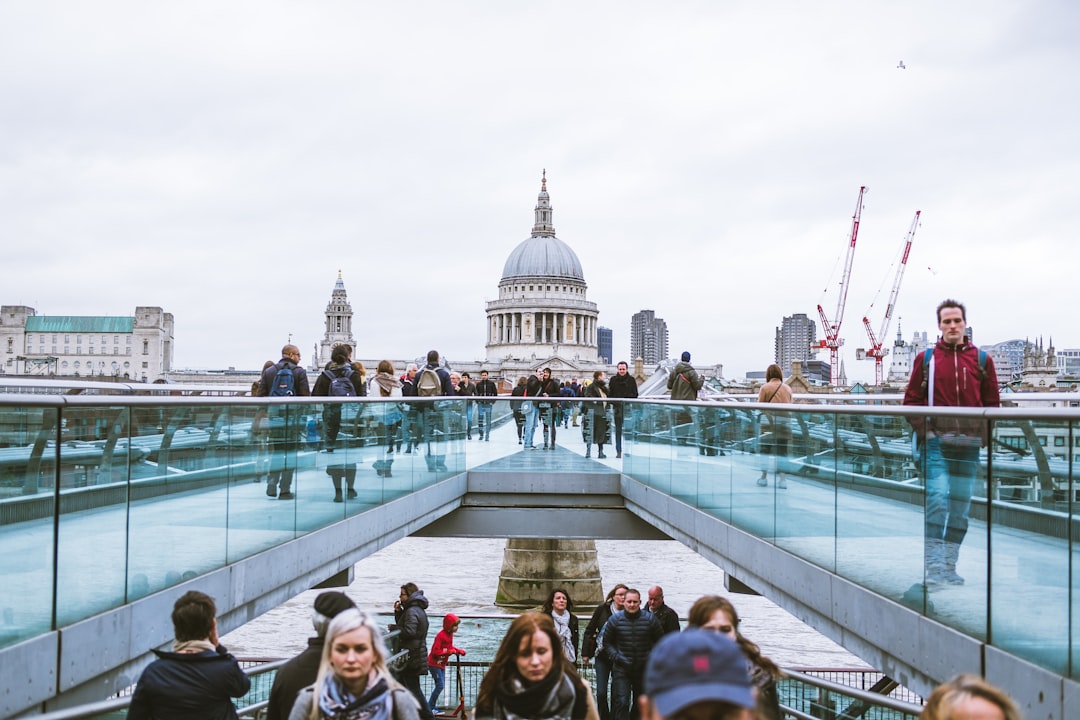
857, 693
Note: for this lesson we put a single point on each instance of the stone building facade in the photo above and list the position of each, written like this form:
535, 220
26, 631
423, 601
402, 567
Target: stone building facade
135, 347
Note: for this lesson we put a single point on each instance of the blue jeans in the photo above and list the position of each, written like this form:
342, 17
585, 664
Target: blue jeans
468, 418
532, 416
483, 419
603, 674
951, 464
438, 676
625, 688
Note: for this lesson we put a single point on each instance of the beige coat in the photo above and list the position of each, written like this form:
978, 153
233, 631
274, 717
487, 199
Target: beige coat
774, 391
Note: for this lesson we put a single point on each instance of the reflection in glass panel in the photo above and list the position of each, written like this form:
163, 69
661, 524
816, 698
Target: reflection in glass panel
178, 496
92, 526
28, 478
879, 506
1029, 581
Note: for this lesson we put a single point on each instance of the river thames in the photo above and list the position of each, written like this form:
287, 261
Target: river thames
461, 576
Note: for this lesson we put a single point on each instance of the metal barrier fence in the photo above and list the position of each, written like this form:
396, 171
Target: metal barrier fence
820, 693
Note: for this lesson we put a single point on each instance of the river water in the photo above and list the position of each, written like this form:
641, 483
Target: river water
461, 576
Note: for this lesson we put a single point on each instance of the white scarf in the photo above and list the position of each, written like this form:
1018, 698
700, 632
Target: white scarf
562, 626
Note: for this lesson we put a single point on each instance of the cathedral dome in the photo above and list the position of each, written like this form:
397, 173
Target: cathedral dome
543, 256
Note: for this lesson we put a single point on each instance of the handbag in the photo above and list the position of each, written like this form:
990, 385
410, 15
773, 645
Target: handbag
916, 449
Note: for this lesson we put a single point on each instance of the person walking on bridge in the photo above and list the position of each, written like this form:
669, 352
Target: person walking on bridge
622, 385
285, 378
954, 373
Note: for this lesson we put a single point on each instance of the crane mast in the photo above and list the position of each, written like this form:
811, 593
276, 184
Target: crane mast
876, 351
832, 340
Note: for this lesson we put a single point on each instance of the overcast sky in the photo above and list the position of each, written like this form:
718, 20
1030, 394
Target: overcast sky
224, 160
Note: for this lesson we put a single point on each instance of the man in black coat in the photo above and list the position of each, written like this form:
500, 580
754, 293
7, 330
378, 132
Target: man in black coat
486, 388
621, 385
298, 673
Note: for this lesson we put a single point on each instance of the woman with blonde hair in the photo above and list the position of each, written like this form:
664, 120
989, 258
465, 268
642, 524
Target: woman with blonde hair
969, 696
530, 677
713, 612
353, 679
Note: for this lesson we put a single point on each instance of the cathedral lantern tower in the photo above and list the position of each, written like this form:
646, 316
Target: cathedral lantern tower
338, 322
542, 313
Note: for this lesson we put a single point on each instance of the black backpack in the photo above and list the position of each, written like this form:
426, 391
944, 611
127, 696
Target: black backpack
341, 385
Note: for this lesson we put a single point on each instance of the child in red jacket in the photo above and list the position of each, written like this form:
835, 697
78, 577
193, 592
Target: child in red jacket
441, 650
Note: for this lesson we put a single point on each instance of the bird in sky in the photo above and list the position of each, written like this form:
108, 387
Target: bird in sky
901, 65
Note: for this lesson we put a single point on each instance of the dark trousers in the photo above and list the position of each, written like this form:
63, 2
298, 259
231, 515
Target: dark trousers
625, 688
411, 681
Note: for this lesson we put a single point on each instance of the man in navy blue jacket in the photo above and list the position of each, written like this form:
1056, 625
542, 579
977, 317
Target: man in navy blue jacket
198, 678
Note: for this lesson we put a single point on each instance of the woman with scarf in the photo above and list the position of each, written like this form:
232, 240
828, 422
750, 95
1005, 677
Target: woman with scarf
353, 680
589, 648
713, 612
531, 679
558, 606
384, 384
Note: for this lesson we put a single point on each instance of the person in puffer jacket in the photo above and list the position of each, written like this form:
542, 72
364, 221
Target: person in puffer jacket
627, 639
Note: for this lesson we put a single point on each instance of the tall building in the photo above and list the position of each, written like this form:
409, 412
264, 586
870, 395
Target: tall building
339, 316
132, 347
793, 340
648, 337
603, 343
542, 317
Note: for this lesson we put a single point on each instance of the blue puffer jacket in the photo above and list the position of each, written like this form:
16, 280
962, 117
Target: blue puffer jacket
628, 639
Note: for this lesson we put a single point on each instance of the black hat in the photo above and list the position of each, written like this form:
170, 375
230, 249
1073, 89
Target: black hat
686, 356
329, 604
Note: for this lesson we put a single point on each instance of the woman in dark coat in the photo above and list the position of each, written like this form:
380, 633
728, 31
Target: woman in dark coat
559, 607
410, 616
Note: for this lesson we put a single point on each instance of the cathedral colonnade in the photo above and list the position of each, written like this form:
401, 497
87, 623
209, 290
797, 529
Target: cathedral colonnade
509, 328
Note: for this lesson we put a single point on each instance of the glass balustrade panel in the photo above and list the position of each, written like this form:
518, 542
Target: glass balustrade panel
1029, 582
178, 494
92, 526
28, 483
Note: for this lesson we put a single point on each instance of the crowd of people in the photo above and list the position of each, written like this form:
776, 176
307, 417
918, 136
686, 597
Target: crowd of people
657, 670
537, 401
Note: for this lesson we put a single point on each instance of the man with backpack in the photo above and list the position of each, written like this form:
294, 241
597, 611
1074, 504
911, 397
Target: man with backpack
285, 378
433, 381
338, 379
954, 373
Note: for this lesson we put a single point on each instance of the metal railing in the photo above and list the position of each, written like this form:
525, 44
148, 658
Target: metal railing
803, 693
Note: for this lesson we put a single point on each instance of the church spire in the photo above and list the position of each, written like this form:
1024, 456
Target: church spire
543, 227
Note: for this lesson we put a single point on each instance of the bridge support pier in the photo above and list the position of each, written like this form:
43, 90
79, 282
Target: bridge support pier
533, 568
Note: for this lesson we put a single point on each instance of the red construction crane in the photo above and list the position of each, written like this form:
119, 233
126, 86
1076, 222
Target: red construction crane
832, 340
876, 351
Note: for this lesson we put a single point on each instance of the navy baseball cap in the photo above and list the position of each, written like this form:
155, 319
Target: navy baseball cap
697, 666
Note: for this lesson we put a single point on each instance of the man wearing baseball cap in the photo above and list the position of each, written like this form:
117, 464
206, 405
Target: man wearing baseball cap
694, 675
298, 673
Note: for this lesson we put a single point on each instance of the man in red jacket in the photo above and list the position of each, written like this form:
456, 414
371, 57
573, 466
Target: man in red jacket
957, 377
